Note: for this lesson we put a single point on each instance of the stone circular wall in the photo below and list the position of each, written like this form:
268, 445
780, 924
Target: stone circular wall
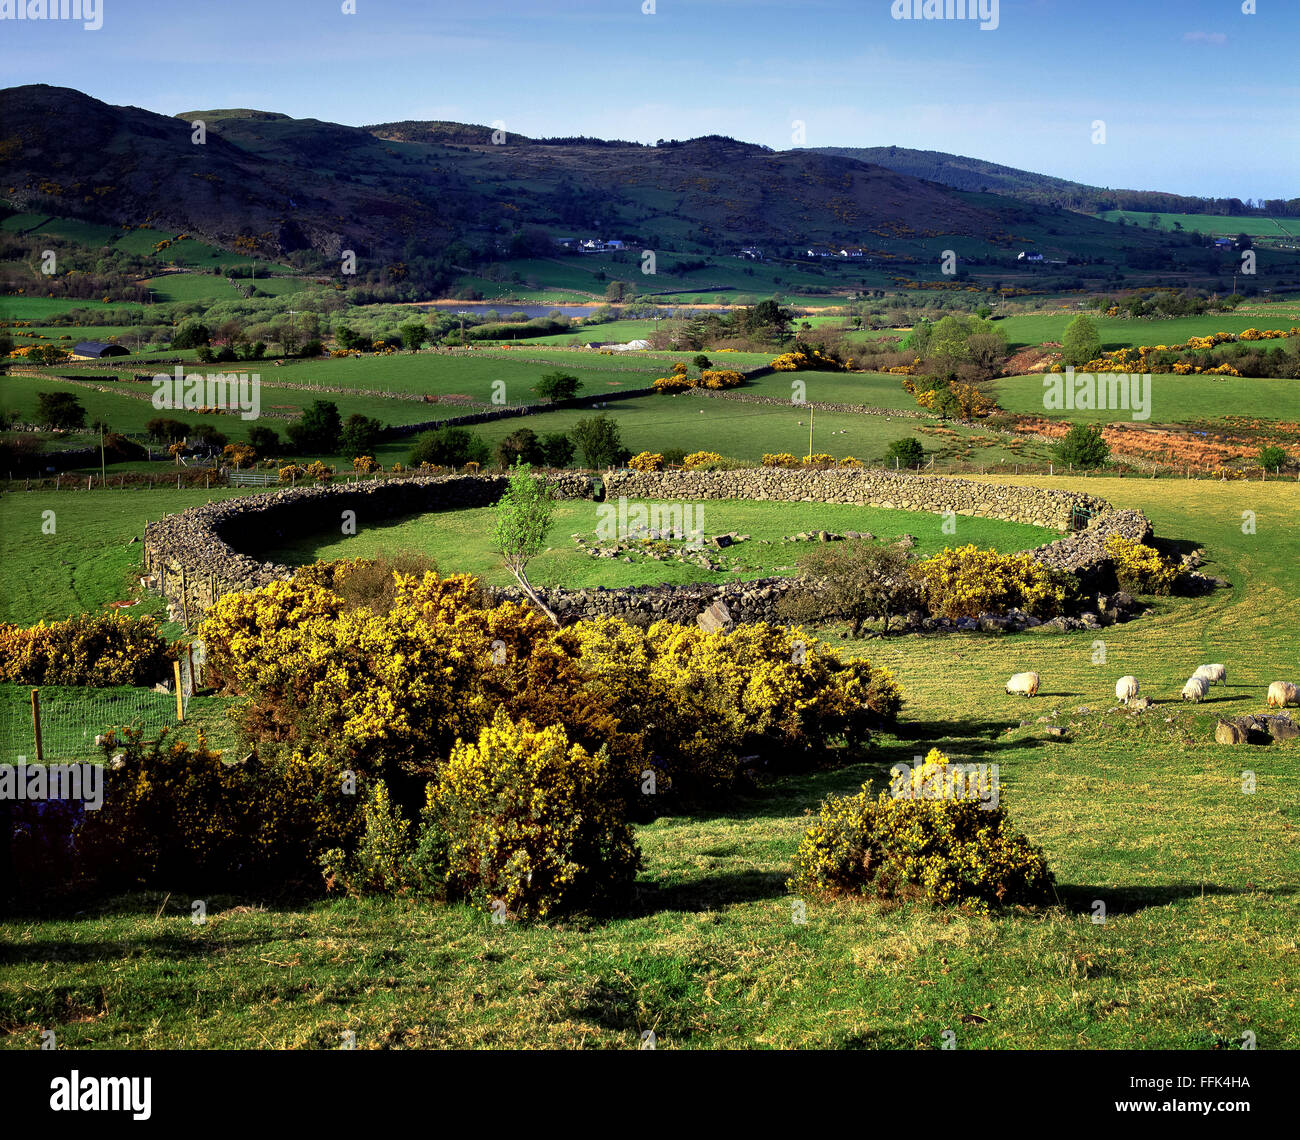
197, 555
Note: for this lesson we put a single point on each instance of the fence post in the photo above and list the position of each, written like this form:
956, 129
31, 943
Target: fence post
35, 722
189, 652
180, 704
185, 611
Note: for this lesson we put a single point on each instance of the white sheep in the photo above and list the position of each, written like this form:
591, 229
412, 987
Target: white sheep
1212, 673
1026, 684
1126, 688
1283, 693
1195, 689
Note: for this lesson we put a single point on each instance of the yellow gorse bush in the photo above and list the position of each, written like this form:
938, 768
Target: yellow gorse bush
949, 849
1141, 568
531, 820
967, 581
92, 649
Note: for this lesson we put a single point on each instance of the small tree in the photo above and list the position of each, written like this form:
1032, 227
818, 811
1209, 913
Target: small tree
414, 335
557, 449
558, 386
60, 410
856, 582
522, 524
702, 362
521, 446
359, 435
449, 447
1271, 457
1081, 342
600, 441
318, 429
263, 439
1082, 446
906, 452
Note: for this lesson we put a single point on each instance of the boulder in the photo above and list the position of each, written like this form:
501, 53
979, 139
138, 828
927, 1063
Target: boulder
1226, 732
715, 617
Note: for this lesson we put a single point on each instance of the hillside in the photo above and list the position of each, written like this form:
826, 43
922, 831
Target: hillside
272, 185
963, 173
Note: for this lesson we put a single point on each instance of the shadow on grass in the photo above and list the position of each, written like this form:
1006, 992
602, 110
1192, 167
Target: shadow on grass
1130, 900
709, 893
169, 946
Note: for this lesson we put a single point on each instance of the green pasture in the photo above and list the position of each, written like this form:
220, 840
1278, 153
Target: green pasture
1023, 330
1145, 814
1218, 225
460, 541
1174, 399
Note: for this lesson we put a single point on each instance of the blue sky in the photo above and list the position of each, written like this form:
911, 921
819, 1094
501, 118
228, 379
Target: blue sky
1196, 97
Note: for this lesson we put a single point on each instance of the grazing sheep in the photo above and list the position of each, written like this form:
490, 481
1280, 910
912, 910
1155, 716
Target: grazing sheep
1026, 684
1126, 688
1283, 693
1212, 673
1195, 689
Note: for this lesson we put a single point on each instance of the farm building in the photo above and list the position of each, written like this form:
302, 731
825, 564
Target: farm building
96, 350
1026, 255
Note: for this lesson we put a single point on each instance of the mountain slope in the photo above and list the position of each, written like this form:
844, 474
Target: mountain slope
974, 174
270, 184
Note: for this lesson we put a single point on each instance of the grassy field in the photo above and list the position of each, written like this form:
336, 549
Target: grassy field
748, 431
1147, 815
1174, 399
1219, 225
89, 560
1122, 332
461, 541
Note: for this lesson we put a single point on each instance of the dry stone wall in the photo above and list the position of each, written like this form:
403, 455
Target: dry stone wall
200, 554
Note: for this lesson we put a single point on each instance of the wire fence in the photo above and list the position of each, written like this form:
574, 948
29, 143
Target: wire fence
56, 723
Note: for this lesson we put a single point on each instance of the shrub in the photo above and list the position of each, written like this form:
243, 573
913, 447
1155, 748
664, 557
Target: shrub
240, 454
557, 449
701, 460
966, 582
175, 814
646, 461
702, 701
908, 452
1141, 568
359, 435
533, 821
1272, 457
381, 863
920, 839
60, 410
449, 447
821, 460
318, 429
365, 464
781, 459
318, 471
558, 386
674, 456
291, 472
1081, 342
92, 649
1082, 446
600, 441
